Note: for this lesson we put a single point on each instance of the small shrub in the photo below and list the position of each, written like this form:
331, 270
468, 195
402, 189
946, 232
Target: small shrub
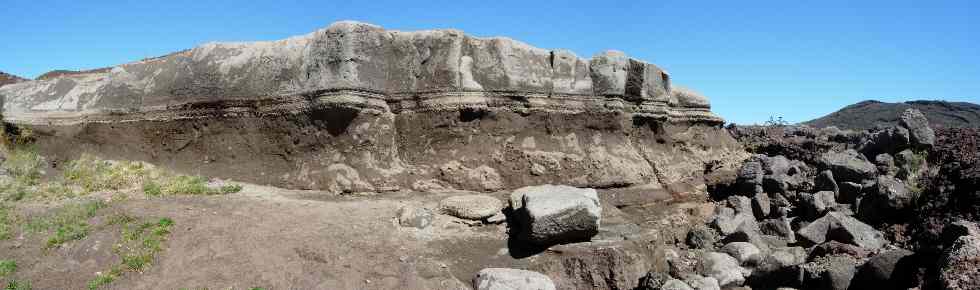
184, 184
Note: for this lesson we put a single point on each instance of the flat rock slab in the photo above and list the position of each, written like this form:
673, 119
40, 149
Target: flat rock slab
842, 228
471, 207
553, 214
511, 279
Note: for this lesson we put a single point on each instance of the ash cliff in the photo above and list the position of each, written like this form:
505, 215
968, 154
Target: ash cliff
354, 107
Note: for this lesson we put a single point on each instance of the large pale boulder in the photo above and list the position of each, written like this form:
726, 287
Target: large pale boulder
921, 135
551, 214
511, 279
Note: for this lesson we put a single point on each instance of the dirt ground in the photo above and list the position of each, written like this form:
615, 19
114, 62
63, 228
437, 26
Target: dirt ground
283, 239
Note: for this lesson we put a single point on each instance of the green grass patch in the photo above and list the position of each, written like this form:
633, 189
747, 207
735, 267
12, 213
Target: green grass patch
138, 245
7, 267
184, 184
92, 174
7, 222
67, 223
18, 285
24, 165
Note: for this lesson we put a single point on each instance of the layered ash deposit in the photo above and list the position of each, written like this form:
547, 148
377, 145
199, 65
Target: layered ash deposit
356, 108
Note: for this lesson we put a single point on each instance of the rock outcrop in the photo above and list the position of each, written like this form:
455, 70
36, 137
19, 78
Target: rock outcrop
356, 108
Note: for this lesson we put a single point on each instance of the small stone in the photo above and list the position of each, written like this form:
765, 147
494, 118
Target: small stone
416, 217
471, 207
509, 279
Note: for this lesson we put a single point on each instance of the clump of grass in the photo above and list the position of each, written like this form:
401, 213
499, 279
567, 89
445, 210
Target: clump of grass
92, 174
102, 279
16, 285
7, 267
67, 223
184, 184
8, 221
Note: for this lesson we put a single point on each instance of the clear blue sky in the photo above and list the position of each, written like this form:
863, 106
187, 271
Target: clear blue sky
754, 59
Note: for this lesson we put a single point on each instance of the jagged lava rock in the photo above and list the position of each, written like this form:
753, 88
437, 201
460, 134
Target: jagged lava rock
848, 165
842, 228
551, 214
356, 108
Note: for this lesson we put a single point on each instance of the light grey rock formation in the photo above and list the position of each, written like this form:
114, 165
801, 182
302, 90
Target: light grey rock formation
674, 284
921, 135
354, 107
472, 207
743, 252
511, 279
551, 214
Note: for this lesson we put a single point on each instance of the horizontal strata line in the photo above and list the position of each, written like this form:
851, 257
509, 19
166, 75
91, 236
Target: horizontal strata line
369, 101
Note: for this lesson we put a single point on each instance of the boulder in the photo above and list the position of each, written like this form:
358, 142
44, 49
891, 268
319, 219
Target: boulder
835, 248
416, 217
959, 266
824, 181
957, 229
740, 204
699, 282
749, 232
778, 227
652, 281
701, 238
829, 273
726, 220
744, 253
842, 228
761, 205
887, 140
551, 214
920, 134
848, 165
885, 163
787, 256
674, 284
894, 269
889, 198
471, 207
750, 175
722, 267
510, 279
815, 205
849, 192
776, 165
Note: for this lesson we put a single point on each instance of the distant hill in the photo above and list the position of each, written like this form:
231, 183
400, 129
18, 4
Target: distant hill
61, 73
867, 114
6, 79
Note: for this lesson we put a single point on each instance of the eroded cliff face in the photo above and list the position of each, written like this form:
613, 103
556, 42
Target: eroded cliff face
356, 108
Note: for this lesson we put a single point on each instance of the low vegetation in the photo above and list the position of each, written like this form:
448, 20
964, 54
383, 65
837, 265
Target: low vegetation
66, 223
138, 245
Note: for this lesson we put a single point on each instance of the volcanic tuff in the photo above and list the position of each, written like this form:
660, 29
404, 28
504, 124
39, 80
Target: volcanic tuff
353, 107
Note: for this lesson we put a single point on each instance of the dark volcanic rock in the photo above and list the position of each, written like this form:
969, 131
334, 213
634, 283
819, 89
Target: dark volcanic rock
842, 228
848, 166
825, 181
890, 197
959, 267
893, 269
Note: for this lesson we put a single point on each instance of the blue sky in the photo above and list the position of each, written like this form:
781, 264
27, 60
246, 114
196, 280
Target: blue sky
754, 59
